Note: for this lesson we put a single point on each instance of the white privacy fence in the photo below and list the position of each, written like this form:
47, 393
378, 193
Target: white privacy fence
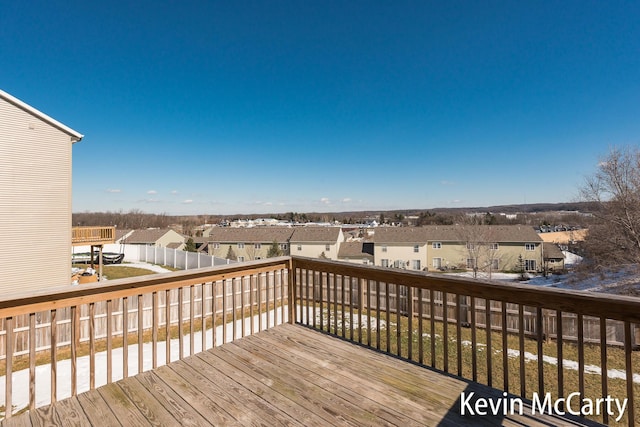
177, 259
164, 256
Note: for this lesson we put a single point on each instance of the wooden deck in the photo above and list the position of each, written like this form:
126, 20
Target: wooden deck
287, 375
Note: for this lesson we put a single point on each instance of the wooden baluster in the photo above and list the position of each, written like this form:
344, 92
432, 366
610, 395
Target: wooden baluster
603, 365
8, 381
109, 341
154, 330
75, 320
505, 349
445, 330
125, 337
54, 356
92, 346
32, 361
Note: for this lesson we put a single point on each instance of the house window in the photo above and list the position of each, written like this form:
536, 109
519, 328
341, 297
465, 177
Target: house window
327, 247
493, 246
530, 246
257, 245
530, 264
398, 264
436, 245
384, 262
299, 247
283, 246
416, 248
240, 245
415, 264
436, 263
240, 258
216, 246
384, 248
471, 263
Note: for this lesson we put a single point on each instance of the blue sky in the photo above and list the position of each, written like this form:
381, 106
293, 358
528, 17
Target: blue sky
206, 107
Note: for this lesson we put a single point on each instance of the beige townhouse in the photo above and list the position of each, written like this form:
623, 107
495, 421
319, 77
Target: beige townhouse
468, 247
316, 242
400, 247
247, 244
484, 248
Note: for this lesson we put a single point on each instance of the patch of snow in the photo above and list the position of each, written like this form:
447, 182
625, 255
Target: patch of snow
20, 379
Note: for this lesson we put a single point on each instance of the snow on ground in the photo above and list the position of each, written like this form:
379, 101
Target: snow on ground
529, 357
621, 281
20, 379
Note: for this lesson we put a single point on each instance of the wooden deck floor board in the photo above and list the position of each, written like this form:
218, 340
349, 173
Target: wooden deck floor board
288, 375
362, 392
263, 391
334, 405
244, 394
198, 391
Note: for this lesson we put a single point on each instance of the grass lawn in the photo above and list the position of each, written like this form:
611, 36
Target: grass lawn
122, 271
394, 327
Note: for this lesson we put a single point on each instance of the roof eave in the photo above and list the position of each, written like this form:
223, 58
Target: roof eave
75, 136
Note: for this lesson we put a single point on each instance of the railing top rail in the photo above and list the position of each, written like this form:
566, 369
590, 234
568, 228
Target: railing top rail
571, 301
17, 304
94, 227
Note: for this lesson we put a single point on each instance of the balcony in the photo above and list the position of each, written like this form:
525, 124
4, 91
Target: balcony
302, 341
94, 236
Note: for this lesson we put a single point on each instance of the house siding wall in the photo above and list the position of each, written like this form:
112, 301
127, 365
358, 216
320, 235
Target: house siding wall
402, 252
35, 202
170, 237
454, 254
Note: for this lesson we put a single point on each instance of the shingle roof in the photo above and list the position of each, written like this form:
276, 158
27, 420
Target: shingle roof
250, 235
400, 235
121, 232
456, 233
315, 234
356, 250
147, 236
552, 251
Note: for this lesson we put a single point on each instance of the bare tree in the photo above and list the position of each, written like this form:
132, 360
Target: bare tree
614, 189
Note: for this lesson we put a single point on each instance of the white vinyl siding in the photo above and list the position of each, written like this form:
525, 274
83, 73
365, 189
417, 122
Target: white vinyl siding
35, 200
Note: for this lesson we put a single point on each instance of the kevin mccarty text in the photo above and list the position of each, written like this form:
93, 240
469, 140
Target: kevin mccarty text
572, 404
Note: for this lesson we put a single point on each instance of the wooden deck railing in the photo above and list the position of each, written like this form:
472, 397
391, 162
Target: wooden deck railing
518, 345
93, 235
85, 326
52, 342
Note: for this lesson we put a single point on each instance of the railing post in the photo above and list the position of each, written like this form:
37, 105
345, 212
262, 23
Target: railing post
291, 273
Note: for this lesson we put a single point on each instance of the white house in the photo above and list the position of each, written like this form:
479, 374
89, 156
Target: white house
35, 198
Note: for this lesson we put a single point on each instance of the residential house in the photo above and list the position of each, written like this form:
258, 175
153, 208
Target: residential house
401, 247
246, 244
553, 257
316, 242
35, 198
356, 252
484, 248
162, 237
437, 248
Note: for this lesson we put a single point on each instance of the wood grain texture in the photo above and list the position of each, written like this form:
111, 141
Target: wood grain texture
287, 375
